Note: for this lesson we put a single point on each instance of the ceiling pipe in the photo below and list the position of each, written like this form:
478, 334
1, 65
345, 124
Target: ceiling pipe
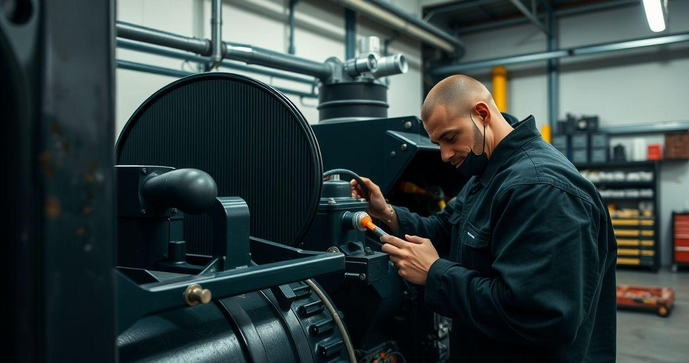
241, 52
405, 23
571, 52
216, 33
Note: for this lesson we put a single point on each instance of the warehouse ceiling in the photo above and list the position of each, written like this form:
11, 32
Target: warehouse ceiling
465, 16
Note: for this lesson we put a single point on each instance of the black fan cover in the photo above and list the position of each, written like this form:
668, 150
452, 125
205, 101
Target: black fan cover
248, 136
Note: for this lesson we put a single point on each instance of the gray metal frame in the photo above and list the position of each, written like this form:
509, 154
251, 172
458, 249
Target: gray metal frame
518, 21
459, 46
532, 16
458, 6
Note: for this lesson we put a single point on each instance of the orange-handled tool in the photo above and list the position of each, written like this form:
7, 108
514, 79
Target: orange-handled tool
362, 221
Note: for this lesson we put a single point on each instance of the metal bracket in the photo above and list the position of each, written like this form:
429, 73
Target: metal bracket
230, 217
135, 300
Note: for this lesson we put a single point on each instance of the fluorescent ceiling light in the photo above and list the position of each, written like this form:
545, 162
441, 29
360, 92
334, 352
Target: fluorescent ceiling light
655, 14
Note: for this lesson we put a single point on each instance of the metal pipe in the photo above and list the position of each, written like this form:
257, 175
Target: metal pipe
242, 52
216, 33
631, 44
553, 72
142, 47
350, 34
461, 67
140, 67
397, 19
592, 49
529, 15
164, 39
254, 55
392, 64
292, 5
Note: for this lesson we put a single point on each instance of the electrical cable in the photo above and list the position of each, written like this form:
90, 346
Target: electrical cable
336, 318
354, 175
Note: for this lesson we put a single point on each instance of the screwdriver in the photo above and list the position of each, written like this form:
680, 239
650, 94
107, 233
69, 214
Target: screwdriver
362, 221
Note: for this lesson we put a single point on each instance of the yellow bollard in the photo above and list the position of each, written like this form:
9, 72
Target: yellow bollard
500, 87
546, 132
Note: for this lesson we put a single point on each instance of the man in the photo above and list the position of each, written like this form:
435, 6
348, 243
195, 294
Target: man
529, 273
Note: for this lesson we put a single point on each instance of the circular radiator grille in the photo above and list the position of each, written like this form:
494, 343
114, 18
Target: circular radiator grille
248, 136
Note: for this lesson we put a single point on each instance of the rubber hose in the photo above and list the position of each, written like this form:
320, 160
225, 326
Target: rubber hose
354, 175
336, 317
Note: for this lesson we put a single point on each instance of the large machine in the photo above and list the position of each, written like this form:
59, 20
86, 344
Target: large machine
221, 193
234, 235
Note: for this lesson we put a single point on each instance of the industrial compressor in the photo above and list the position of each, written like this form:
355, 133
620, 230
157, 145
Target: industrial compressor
233, 247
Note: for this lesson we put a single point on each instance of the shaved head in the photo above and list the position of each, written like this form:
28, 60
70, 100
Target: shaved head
457, 95
460, 115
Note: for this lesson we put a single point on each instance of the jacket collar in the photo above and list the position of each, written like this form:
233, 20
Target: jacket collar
523, 132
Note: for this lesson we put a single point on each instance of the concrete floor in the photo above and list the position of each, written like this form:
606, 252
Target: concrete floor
646, 337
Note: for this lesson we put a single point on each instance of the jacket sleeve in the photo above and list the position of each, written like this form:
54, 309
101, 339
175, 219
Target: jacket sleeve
546, 264
436, 227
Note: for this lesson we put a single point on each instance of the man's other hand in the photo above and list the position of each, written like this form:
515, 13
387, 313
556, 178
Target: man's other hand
412, 257
377, 206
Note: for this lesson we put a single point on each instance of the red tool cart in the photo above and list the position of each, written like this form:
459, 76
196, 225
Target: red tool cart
680, 232
658, 299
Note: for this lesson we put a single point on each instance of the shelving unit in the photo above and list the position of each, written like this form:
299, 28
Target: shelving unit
637, 234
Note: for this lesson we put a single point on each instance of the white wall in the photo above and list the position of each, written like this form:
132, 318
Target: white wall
263, 23
634, 87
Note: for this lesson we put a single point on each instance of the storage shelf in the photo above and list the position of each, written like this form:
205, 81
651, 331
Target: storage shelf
626, 184
641, 237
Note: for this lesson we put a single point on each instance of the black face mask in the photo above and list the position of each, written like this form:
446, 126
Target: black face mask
475, 164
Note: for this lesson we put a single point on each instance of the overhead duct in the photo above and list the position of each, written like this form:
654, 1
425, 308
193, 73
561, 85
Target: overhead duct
397, 19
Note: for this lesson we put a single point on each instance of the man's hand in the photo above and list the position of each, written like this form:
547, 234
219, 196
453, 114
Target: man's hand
413, 257
377, 207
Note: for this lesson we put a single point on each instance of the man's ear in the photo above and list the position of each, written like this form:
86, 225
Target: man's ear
483, 112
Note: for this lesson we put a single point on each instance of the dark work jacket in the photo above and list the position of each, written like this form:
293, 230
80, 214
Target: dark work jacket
530, 254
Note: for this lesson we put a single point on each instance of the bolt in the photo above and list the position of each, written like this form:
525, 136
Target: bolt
403, 147
362, 276
407, 125
333, 249
392, 154
195, 294
144, 171
174, 210
331, 201
143, 211
368, 250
